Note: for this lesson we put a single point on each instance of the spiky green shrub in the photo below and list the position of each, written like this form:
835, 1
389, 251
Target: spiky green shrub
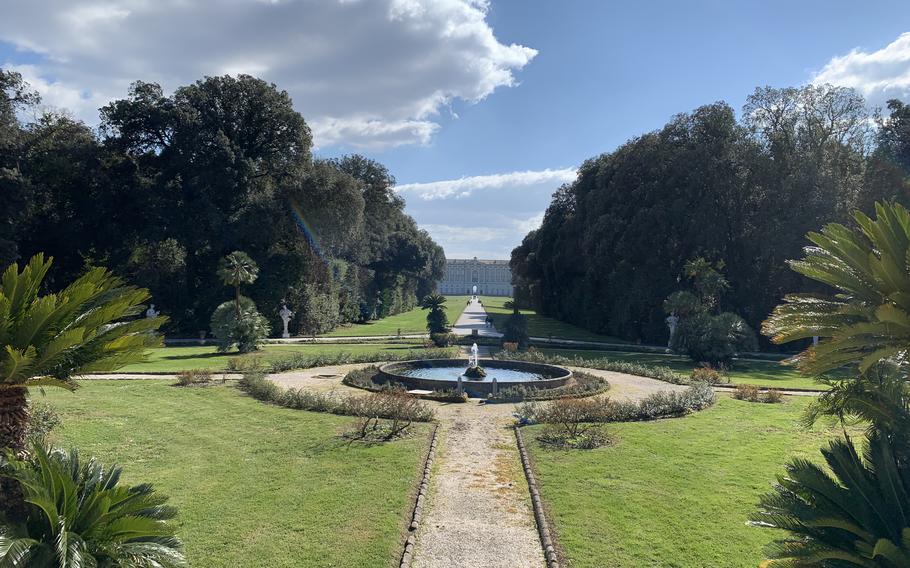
247, 332
856, 514
92, 325
80, 515
658, 372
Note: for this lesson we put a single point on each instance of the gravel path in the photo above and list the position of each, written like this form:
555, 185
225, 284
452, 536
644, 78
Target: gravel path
479, 508
474, 317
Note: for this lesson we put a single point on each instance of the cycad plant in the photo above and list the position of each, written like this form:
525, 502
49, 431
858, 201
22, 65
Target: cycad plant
81, 516
858, 515
45, 340
855, 513
867, 318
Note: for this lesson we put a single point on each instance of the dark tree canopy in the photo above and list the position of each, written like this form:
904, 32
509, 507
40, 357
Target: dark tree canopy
741, 192
171, 184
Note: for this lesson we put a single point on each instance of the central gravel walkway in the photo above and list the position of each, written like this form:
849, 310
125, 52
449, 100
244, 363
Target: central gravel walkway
479, 511
474, 317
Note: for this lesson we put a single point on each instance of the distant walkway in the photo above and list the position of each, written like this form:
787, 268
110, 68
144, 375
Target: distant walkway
474, 317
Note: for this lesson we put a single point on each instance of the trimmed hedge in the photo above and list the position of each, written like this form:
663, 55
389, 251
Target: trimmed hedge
662, 404
305, 361
585, 385
660, 373
256, 385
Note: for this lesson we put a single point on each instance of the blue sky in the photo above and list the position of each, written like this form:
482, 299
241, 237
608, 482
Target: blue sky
511, 95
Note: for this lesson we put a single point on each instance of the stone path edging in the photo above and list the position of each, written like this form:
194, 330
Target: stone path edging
543, 529
417, 514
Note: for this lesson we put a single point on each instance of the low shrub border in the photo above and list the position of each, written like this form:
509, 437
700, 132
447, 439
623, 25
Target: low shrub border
585, 385
543, 528
417, 512
752, 393
304, 361
660, 373
661, 404
256, 385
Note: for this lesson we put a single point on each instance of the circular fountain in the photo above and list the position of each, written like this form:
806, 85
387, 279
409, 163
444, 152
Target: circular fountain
446, 374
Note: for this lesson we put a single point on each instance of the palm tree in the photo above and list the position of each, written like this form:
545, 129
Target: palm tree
437, 320
46, 340
868, 317
79, 515
237, 269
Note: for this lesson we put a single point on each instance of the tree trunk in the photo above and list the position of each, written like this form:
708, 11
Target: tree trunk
13, 424
237, 303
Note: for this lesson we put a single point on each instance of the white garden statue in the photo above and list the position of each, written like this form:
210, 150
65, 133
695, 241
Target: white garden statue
286, 316
672, 322
151, 313
474, 360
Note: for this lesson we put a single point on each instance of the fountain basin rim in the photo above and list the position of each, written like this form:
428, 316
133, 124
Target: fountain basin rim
555, 376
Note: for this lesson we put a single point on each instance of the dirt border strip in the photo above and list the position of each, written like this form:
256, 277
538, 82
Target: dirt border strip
417, 514
543, 529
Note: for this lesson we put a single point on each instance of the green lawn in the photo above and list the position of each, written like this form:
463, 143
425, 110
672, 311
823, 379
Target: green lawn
414, 321
541, 326
174, 359
256, 485
763, 373
677, 492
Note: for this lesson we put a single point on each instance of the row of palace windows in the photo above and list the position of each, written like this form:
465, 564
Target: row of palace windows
491, 276
491, 290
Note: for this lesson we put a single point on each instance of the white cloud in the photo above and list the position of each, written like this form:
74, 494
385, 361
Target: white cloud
483, 241
465, 186
877, 75
368, 73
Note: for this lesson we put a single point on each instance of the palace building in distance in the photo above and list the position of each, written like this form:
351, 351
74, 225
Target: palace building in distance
492, 277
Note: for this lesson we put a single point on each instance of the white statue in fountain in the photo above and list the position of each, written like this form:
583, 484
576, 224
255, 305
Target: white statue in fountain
474, 360
151, 312
286, 316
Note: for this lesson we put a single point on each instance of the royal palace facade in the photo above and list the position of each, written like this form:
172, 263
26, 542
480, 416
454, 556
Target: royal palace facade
492, 277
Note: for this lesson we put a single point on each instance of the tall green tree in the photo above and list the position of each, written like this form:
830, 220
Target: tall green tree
238, 269
742, 191
170, 184
91, 325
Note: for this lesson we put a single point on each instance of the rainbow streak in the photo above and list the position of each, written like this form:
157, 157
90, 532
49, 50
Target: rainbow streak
308, 233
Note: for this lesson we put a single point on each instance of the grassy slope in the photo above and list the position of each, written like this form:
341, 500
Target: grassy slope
173, 359
764, 373
674, 493
256, 485
541, 326
413, 321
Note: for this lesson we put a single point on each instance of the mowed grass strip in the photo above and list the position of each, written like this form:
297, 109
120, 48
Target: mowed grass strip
773, 374
410, 322
256, 485
675, 492
539, 325
175, 359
